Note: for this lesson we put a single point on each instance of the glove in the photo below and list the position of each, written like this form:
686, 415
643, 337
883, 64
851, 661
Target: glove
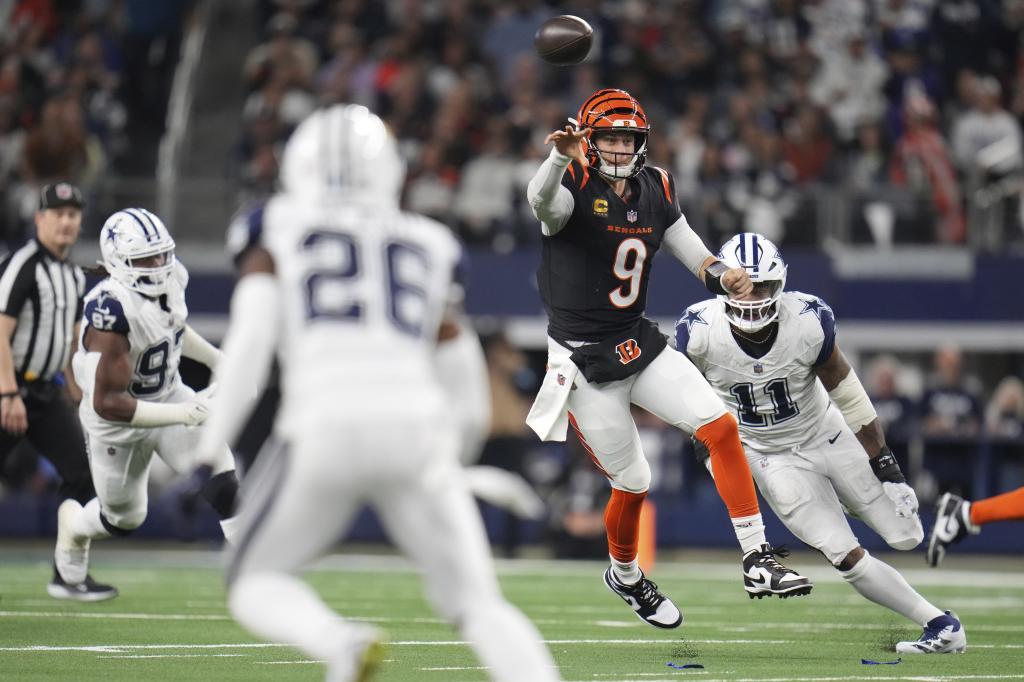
197, 409
903, 498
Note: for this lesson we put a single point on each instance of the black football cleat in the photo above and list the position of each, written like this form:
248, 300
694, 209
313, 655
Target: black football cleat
649, 604
763, 576
88, 590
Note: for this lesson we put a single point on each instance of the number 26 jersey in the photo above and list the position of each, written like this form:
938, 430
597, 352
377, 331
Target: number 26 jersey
594, 272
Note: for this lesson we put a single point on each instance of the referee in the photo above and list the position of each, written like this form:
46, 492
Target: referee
41, 297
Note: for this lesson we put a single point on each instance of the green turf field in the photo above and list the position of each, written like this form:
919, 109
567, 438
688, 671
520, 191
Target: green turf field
170, 623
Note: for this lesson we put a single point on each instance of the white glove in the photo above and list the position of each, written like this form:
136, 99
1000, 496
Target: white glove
197, 410
903, 498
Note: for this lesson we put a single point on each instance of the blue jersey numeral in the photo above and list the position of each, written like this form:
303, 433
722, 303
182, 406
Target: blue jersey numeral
328, 285
777, 390
151, 370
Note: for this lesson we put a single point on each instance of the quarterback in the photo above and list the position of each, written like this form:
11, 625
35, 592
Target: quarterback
604, 214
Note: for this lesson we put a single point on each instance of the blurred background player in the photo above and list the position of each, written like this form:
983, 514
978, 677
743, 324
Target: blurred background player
604, 214
40, 310
358, 293
956, 518
134, 403
772, 356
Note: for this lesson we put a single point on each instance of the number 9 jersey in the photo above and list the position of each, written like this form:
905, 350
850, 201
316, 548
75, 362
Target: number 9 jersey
594, 272
777, 398
364, 291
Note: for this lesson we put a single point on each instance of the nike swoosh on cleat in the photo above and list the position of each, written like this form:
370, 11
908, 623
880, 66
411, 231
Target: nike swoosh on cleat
760, 580
834, 438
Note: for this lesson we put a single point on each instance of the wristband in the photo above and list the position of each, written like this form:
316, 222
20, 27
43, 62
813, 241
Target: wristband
10, 395
886, 468
713, 278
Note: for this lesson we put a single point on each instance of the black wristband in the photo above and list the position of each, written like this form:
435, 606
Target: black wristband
886, 468
713, 278
10, 395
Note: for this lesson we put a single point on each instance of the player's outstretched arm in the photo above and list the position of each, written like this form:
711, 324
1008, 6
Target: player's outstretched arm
846, 391
194, 346
687, 246
248, 350
551, 202
111, 398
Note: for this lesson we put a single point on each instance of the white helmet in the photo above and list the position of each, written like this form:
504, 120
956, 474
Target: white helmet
763, 262
129, 236
345, 149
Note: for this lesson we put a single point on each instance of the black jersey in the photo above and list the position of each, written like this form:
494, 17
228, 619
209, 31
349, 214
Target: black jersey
593, 273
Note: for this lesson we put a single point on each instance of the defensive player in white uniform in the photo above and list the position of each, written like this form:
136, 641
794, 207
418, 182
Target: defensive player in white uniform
134, 403
811, 435
353, 296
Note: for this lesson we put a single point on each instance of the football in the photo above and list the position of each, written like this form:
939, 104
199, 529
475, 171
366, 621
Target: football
564, 40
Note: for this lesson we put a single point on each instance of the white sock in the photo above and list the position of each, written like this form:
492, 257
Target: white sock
231, 529
508, 644
87, 523
883, 584
281, 608
750, 532
627, 573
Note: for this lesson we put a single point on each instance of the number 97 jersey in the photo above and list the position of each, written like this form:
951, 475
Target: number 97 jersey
364, 290
777, 398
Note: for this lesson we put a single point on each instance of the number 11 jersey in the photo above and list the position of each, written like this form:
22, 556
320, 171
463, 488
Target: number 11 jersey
594, 272
777, 398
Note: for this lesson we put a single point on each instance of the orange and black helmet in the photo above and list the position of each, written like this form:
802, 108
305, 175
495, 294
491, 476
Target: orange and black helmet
612, 110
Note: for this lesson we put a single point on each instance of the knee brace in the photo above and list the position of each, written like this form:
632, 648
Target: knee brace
220, 491
635, 478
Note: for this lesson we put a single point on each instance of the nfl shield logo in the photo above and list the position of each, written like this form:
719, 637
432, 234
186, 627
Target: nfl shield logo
63, 191
561, 380
631, 216
758, 368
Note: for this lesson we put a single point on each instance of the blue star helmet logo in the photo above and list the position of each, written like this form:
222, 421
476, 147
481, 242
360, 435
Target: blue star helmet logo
111, 234
814, 305
692, 317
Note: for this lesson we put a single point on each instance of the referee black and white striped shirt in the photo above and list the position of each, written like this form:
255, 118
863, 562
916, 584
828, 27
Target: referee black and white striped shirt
45, 295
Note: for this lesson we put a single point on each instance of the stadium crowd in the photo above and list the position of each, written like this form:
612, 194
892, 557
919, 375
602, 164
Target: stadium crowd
774, 115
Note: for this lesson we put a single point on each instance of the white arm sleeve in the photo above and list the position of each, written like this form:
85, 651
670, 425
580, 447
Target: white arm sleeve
248, 351
852, 400
683, 243
150, 414
462, 370
199, 349
551, 202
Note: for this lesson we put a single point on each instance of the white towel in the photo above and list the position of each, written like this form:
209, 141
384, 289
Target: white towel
549, 415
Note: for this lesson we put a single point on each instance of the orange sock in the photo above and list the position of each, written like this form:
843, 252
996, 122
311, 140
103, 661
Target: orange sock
1006, 507
732, 473
622, 521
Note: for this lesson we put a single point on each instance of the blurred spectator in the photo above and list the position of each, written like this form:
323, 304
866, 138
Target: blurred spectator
950, 407
1004, 416
987, 139
922, 164
895, 409
849, 85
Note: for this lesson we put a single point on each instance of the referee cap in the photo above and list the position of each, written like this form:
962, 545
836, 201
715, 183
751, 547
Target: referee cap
59, 195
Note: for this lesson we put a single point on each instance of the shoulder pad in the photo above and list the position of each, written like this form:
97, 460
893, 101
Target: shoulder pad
105, 313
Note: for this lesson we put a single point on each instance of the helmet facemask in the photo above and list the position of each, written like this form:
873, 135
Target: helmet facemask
617, 165
758, 311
